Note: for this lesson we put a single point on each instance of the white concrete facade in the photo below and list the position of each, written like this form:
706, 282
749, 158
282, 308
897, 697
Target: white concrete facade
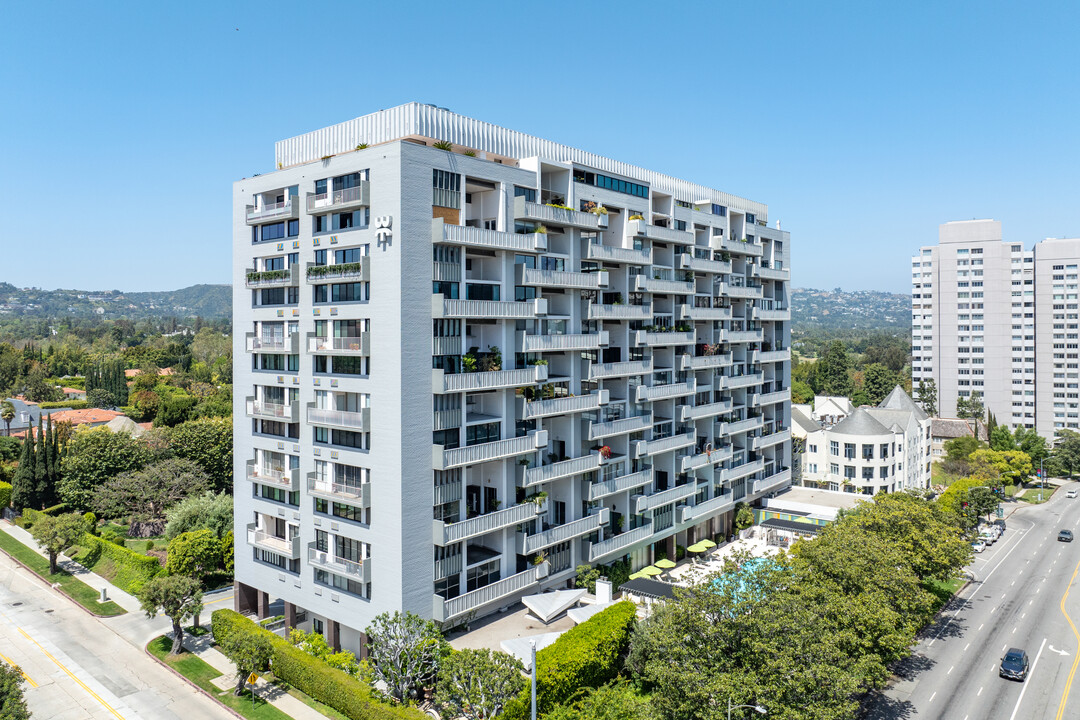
455, 383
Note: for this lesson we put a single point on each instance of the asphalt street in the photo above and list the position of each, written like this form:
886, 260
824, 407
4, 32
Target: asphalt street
1023, 594
80, 667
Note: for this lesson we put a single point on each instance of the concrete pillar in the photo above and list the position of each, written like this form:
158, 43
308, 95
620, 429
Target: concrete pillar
363, 646
290, 615
264, 605
244, 598
670, 548
334, 640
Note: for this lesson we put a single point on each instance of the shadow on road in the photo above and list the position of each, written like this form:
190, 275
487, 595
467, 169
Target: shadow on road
882, 707
909, 667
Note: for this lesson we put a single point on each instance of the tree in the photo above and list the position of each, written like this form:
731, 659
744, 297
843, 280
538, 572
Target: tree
801, 393
878, 382
744, 516
174, 410
1067, 451
314, 644
476, 684
37, 387
614, 701
209, 443
7, 414
961, 448
250, 651
1002, 439
927, 397
12, 702
404, 650
57, 534
971, 408
144, 496
193, 553
199, 512
100, 398
833, 370
23, 489
966, 501
1032, 443
92, 457
178, 597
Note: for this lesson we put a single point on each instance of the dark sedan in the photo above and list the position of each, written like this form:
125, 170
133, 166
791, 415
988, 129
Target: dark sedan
1065, 536
1014, 665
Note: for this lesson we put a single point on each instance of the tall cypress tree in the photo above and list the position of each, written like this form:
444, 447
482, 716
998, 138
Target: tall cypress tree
22, 485
52, 467
41, 467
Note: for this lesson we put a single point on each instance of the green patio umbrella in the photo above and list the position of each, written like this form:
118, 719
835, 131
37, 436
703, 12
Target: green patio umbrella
637, 576
697, 548
706, 543
664, 563
651, 570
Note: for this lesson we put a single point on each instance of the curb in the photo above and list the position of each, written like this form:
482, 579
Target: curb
190, 682
64, 595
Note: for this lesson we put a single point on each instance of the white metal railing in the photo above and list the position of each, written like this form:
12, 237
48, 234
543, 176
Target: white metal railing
360, 345
272, 211
484, 452
338, 565
767, 356
655, 232
619, 542
529, 544
654, 339
351, 420
705, 362
665, 497
700, 460
696, 412
345, 491
558, 343
737, 246
563, 278
619, 312
607, 253
689, 312
689, 262
738, 381
456, 532
600, 371
448, 492
448, 566
773, 481
274, 344
563, 405
762, 441
644, 283
450, 609
624, 482
359, 195
740, 336
730, 428
274, 411
492, 239
619, 427
494, 309
561, 469
770, 398
663, 392
446, 419
495, 379
712, 505
273, 476
263, 539
524, 209
674, 442
729, 474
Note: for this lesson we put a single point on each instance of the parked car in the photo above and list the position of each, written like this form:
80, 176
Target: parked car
1014, 665
1065, 536
987, 537
978, 546
1000, 524
1070, 494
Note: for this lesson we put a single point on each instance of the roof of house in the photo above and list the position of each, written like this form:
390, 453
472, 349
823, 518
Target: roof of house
830, 405
161, 371
77, 391
805, 423
860, 422
89, 416
122, 423
952, 428
900, 400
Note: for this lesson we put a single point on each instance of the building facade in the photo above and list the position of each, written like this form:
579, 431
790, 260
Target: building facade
470, 359
864, 450
984, 310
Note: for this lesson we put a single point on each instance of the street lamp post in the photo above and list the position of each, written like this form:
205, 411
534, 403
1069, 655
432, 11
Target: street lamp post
757, 708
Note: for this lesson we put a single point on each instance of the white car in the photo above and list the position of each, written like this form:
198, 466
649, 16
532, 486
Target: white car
1070, 494
978, 546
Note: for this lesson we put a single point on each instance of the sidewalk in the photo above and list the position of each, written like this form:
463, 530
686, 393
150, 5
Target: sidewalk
138, 630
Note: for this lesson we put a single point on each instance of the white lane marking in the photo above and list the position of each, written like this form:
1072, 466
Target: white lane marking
1012, 583
966, 647
1038, 590
950, 670
1026, 683
1014, 629
1004, 646
980, 627
932, 698
1023, 616
979, 693
992, 610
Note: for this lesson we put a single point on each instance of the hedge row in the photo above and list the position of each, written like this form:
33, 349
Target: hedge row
586, 656
130, 570
5, 494
31, 516
70, 404
311, 675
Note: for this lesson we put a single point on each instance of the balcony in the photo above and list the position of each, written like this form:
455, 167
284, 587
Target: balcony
759, 399
447, 492
640, 228
644, 283
272, 411
717, 267
603, 371
620, 484
696, 412
447, 533
485, 452
764, 441
773, 482
704, 314
774, 315
344, 272
627, 256
493, 380
287, 210
562, 405
487, 239
619, 543
359, 346
562, 343
278, 344
729, 474
739, 291
689, 463
771, 273
487, 309
646, 393
704, 362
323, 560
659, 339
619, 312
265, 541
256, 280
329, 490
354, 197
740, 336
740, 426
359, 421
646, 448
447, 610
738, 247
598, 430
770, 356
562, 469
529, 544
713, 506
560, 278
551, 215
664, 497
732, 382
279, 478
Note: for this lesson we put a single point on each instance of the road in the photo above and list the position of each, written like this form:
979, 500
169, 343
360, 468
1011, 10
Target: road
81, 667
1023, 595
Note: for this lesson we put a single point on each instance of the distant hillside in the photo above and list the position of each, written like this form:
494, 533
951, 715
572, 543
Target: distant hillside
864, 310
207, 301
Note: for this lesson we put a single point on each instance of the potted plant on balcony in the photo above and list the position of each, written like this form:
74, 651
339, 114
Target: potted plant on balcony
443, 145
540, 230
636, 216
605, 452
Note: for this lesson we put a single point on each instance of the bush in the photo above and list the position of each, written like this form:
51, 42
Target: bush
71, 404
55, 510
310, 675
91, 522
128, 569
586, 656
5, 494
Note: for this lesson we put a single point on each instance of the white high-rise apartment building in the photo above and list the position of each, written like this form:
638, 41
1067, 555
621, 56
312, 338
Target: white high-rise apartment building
463, 370
984, 311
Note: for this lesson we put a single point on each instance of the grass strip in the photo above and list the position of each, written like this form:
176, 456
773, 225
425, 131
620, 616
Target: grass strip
311, 702
70, 585
943, 591
202, 673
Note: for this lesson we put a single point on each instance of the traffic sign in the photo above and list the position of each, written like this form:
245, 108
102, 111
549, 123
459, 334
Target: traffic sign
252, 678
1001, 512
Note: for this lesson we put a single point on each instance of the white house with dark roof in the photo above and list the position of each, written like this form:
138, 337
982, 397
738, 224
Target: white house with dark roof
867, 451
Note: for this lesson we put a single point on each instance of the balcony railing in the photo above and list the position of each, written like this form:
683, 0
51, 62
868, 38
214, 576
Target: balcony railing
550, 215
563, 405
280, 344
444, 533
564, 468
257, 280
529, 544
759, 399
628, 256
740, 336
689, 262
696, 412
493, 380
446, 610
359, 420
266, 541
771, 273
658, 339
448, 566
729, 474
488, 309
622, 426
704, 362
359, 196
359, 345
700, 460
620, 484
768, 356
349, 272
712, 506
655, 232
325, 560
619, 312
272, 411
498, 450
619, 542
325, 488
739, 291
645, 448
602, 371
775, 315
289, 209
777, 480
739, 426
664, 497
488, 239
560, 278
737, 246
689, 312
285, 479
644, 283
732, 382
764, 441
561, 343
664, 392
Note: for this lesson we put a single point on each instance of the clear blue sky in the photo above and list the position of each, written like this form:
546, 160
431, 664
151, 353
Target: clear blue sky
863, 125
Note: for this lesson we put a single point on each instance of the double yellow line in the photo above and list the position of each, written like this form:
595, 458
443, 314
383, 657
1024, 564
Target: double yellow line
6, 659
1076, 660
71, 675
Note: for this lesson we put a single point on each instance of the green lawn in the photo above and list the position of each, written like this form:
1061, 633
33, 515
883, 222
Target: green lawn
70, 585
201, 673
311, 702
943, 591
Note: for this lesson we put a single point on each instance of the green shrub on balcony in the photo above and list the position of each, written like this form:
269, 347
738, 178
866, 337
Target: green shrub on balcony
353, 268
267, 275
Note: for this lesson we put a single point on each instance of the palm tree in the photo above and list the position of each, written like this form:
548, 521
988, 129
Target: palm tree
7, 414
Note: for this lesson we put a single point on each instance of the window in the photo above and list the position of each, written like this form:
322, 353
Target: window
448, 289
849, 472
603, 181
849, 451
273, 231
446, 189
488, 432
751, 218
528, 193
834, 448
867, 452
719, 210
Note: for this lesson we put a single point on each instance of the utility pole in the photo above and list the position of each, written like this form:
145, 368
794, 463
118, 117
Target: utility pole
532, 644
